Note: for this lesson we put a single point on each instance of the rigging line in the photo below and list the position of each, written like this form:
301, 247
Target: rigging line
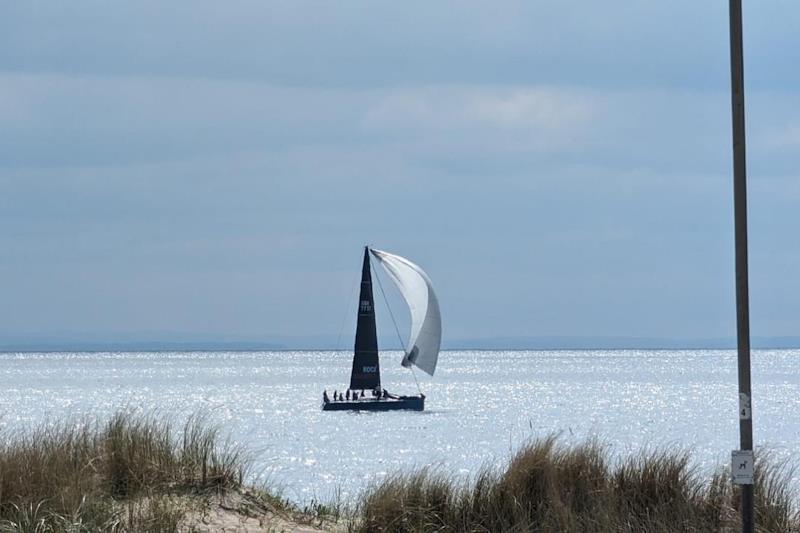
415, 378
397, 330
346, 311
386, 301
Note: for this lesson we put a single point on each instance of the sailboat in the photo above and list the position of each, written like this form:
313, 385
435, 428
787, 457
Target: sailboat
422, 349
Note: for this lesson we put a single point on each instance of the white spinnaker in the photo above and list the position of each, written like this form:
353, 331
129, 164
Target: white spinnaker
426, 322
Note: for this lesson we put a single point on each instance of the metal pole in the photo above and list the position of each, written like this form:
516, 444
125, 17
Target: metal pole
740, 216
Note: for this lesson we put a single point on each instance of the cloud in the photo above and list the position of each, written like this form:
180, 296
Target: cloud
785, 137
199, 164
84, 120
613, 44
533, 117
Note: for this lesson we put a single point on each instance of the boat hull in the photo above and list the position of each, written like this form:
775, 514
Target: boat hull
404, 403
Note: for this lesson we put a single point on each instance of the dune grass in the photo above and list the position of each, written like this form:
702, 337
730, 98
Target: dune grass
134, 473
119, 476
548, 486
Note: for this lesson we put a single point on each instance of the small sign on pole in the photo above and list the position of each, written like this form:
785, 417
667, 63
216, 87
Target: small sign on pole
742, 467
744, 406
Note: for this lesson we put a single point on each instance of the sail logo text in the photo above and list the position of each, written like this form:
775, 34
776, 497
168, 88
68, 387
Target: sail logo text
366, 306
369, 369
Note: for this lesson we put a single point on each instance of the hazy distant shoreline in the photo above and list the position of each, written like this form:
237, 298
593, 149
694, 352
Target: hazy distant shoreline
29, 344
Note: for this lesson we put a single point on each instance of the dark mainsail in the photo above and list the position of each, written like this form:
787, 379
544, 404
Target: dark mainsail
366, 370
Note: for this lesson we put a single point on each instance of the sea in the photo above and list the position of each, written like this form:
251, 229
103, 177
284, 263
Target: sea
481, 406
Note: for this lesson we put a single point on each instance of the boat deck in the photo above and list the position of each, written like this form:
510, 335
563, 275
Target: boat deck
412, 403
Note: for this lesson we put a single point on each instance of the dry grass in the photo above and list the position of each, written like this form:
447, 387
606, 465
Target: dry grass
119, 476
548, 486
138, 473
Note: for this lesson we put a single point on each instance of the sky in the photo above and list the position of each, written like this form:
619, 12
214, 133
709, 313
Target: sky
559, 168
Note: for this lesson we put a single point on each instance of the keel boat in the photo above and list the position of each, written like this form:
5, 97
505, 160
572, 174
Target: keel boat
366, 392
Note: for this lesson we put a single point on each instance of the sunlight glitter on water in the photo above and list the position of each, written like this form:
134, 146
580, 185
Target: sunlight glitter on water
481, 406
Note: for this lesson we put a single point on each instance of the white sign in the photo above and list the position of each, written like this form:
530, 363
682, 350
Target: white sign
744, 406
742, 467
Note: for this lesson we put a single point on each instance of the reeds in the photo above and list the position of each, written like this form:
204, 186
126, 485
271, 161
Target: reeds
117, 476
549, 486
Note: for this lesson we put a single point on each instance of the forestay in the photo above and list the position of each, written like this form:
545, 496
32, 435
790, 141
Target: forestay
426, 321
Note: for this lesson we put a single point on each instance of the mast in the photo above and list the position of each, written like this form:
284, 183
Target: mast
366, 372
